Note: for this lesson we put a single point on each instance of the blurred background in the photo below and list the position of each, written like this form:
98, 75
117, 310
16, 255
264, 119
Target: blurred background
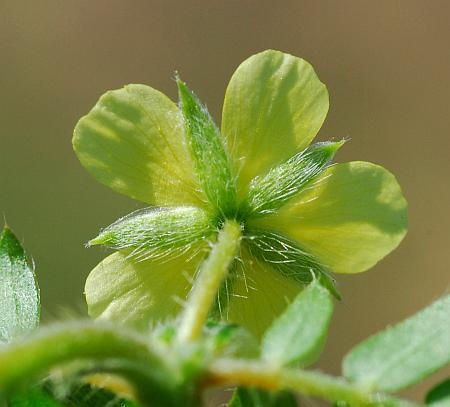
387, 68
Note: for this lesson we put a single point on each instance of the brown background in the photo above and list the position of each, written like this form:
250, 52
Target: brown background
387, 68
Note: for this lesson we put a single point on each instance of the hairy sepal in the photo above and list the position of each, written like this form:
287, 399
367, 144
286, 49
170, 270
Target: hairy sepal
269, 192
288, 258
155, 232
211, 161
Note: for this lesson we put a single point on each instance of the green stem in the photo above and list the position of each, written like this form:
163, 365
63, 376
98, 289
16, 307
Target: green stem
24, 361
207, 285
253, 373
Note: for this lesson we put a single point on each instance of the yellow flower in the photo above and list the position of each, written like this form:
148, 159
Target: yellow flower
300, 216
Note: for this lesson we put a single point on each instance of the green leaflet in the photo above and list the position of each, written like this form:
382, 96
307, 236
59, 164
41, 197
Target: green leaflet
19, 292
155, 232
405, 353
211, 160
298, 335
269, 192
253, 397
288, 258
439, 396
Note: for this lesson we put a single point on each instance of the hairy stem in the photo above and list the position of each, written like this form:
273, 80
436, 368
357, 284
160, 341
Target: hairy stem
24, 361
207, 285
252, 373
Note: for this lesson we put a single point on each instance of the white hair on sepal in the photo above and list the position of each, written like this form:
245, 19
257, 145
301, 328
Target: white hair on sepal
159, 234
268, 192
285, 256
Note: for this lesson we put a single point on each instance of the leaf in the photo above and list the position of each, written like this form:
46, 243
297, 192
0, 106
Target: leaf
133, 142
274, 106
155, 232
19, 292
439, 396
211, 160
405, 353
298, 335
35, 397
353, 215
253, 397
269, 192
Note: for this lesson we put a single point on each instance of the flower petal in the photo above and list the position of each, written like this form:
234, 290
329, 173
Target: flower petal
138, 292
257, 294
274, 106
133, 142
352, 216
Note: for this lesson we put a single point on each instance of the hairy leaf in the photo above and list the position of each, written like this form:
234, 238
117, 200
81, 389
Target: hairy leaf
298, 335
19, 292
405, 353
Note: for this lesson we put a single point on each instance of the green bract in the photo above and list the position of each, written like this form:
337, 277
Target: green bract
301, 217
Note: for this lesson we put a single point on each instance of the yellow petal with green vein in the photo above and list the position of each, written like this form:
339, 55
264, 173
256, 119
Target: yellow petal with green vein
258, 294
133, 142
139, 292
352, 216
274, 106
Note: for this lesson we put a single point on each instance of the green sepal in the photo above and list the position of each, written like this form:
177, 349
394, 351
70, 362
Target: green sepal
403, 354
299, 333
269, 192
439, 395
253, 397
19, 291
155, 232
288, 258
211, 161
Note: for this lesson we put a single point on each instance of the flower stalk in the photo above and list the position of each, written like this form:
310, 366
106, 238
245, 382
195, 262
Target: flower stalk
225, 372
207, 284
